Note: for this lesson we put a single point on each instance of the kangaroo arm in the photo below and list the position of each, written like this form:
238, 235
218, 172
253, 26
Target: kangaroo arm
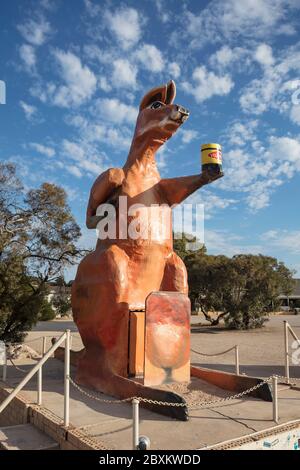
104, 185
177, 190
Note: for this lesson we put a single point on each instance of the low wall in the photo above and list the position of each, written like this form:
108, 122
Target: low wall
20, 411
16, 412
281, 437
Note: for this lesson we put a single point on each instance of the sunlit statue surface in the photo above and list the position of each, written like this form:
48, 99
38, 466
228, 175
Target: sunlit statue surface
119, 275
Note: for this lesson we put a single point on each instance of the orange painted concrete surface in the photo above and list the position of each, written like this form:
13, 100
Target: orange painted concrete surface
118, 276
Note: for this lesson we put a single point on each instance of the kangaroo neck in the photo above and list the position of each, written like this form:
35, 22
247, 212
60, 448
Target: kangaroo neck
142, 155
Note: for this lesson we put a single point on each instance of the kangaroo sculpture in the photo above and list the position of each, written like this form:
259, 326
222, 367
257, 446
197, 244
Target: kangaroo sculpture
122, 271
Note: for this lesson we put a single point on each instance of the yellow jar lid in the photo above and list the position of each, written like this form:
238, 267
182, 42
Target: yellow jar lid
210, 146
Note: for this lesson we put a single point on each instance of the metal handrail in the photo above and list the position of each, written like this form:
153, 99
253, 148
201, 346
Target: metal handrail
38, 369
288, 329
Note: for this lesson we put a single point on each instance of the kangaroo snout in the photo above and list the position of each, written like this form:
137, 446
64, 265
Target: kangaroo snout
179, 113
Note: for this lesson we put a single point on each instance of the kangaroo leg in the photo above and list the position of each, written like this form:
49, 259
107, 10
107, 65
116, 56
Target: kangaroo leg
175, 275
100, 308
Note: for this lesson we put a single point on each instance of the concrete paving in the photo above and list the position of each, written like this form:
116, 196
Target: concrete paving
25, 437
261, 354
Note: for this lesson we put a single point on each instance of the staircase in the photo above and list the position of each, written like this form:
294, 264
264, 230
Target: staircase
25, 437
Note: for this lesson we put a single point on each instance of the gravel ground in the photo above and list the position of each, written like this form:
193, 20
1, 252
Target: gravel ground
196, 391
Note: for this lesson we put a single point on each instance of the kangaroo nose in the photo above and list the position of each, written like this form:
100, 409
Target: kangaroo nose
183, 111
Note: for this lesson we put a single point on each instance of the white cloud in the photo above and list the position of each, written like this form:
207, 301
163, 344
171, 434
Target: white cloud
255, 169
226, 57
162, 11
80, 81
258, 95
92, 8
187, 135
207, 84
286, 240
174, 69
240, 133
232, 20
211, 202
125, 24
74, 170
29, 110
227, 243
118, 137
43, 149
73, 149
36, 32
285, 149
275, 89
264, 55
27, 54
114, 110
48, 4
150, 57
86, 158
223, 56
124, 73
104, 84
295, 114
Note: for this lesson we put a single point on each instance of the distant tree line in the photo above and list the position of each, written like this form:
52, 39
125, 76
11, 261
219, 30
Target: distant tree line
240, 290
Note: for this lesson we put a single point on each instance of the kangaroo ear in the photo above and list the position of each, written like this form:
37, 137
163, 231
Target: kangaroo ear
171, 92
156, 94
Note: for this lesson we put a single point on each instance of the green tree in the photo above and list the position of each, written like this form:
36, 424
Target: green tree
241, 290
38, 237
46, 312
62, 299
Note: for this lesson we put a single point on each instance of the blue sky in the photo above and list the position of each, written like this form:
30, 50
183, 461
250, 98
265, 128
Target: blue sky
75, 71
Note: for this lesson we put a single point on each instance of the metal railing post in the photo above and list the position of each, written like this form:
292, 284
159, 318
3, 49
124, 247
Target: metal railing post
44, 345
286, 351
67, 381
40, 375
275, 398
31, 373
135, 423
39, 386
237, 360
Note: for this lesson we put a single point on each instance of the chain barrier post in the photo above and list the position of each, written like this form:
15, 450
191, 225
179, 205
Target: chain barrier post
237, 360
275, 398
67, 380
135, 423
286, 351
44, 345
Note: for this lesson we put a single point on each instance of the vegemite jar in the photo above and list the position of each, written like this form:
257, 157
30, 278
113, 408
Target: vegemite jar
211, 158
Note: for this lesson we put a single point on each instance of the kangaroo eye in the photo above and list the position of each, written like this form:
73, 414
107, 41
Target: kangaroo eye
156, 104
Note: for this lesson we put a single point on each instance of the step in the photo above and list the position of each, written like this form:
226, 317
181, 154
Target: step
25, 437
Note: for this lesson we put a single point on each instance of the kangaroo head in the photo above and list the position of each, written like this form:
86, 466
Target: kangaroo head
159, 118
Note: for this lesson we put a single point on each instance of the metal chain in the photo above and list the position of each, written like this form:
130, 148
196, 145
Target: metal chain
296, 379
211, 355
35, 339
166, 403
16, 367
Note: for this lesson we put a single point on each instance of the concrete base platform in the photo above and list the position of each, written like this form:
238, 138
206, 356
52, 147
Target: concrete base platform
111, 424
25, 437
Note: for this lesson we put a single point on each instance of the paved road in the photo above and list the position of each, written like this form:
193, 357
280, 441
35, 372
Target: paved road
261, 350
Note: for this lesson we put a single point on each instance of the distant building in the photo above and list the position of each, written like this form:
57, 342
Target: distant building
293, 300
